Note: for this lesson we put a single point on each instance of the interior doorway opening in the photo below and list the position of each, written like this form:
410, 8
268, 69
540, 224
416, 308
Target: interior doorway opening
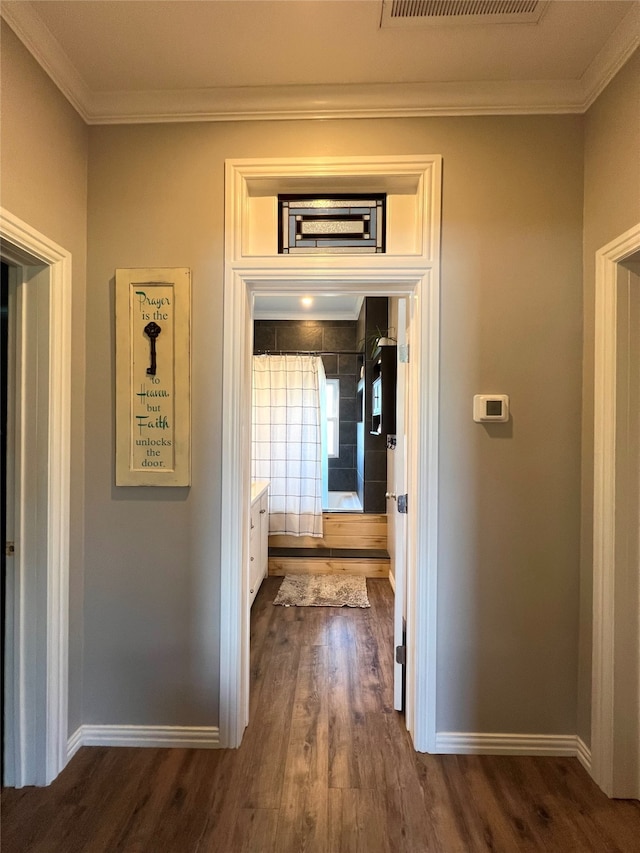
377, 547
422, 320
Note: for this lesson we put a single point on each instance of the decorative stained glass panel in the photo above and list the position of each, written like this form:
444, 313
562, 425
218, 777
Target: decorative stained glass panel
331, 224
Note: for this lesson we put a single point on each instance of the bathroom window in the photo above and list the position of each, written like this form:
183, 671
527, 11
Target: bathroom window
333, 418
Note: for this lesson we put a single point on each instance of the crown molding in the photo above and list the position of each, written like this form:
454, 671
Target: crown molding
379, 100
390, 100
618, 48
45, 48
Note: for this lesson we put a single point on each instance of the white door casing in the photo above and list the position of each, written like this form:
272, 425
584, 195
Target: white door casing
413, 273
36, 665
613, 667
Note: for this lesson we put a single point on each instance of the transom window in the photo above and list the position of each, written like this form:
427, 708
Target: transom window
331, 224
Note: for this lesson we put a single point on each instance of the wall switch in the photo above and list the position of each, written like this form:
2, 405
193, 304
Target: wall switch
491, 407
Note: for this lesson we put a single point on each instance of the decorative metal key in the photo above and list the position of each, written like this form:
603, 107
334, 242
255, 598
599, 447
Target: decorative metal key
152, 330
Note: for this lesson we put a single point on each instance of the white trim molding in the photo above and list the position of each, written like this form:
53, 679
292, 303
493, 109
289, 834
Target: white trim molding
179, 737
583, 754
74, 743
608, 396
618, 48
45, 48
372, 100
39, 735
176, 737
484, 743
336, 101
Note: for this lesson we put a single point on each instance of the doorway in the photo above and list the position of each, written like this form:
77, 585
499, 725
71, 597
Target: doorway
410, 268
421, 479
367, 535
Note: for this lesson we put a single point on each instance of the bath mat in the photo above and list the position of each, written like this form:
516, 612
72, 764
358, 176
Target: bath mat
323, 591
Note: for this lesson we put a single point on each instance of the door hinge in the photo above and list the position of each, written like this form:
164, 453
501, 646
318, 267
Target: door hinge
401, 655
9, 549
403, 353
403, 503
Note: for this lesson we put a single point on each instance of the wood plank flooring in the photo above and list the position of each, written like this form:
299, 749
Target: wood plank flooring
326, 766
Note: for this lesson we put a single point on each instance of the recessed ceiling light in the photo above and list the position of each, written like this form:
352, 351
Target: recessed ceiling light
307, 301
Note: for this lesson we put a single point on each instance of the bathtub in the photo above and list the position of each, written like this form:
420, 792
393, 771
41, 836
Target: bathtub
343, 502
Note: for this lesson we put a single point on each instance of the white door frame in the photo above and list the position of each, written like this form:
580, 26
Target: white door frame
610, 394
415, 277
397, 522
38, 592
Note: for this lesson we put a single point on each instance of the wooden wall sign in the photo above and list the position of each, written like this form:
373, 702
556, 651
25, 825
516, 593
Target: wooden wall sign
153, 376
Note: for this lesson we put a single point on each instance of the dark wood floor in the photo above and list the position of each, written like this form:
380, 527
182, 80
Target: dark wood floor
325, 766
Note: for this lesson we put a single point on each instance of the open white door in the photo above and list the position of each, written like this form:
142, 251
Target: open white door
397, 520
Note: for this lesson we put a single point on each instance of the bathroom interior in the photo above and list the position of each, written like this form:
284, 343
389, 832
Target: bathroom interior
357, 473
359, 424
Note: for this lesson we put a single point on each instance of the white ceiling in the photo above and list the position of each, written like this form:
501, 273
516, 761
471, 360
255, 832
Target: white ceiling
330, 306
126, 60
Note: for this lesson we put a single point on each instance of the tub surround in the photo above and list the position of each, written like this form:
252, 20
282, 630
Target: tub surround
352, 543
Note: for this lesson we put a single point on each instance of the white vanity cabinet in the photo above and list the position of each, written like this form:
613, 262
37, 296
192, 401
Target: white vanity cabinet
259, 539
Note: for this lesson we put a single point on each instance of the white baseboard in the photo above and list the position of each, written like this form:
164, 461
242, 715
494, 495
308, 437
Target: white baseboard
583, 754
192, 737
453, 743
481, 743
74, 743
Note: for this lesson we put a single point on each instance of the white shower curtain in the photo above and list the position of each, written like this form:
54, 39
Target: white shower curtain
287, 438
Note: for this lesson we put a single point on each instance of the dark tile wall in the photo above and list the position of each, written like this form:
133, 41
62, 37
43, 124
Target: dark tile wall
333, 336
371, 463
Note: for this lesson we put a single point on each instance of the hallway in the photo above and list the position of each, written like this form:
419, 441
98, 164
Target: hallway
325, 766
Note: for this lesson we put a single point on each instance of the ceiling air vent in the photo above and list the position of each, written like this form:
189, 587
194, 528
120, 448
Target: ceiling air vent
410, 13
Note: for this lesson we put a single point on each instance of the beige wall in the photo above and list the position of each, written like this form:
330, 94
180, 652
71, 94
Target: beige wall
510, 496
611, 207
43, 180
511, 322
